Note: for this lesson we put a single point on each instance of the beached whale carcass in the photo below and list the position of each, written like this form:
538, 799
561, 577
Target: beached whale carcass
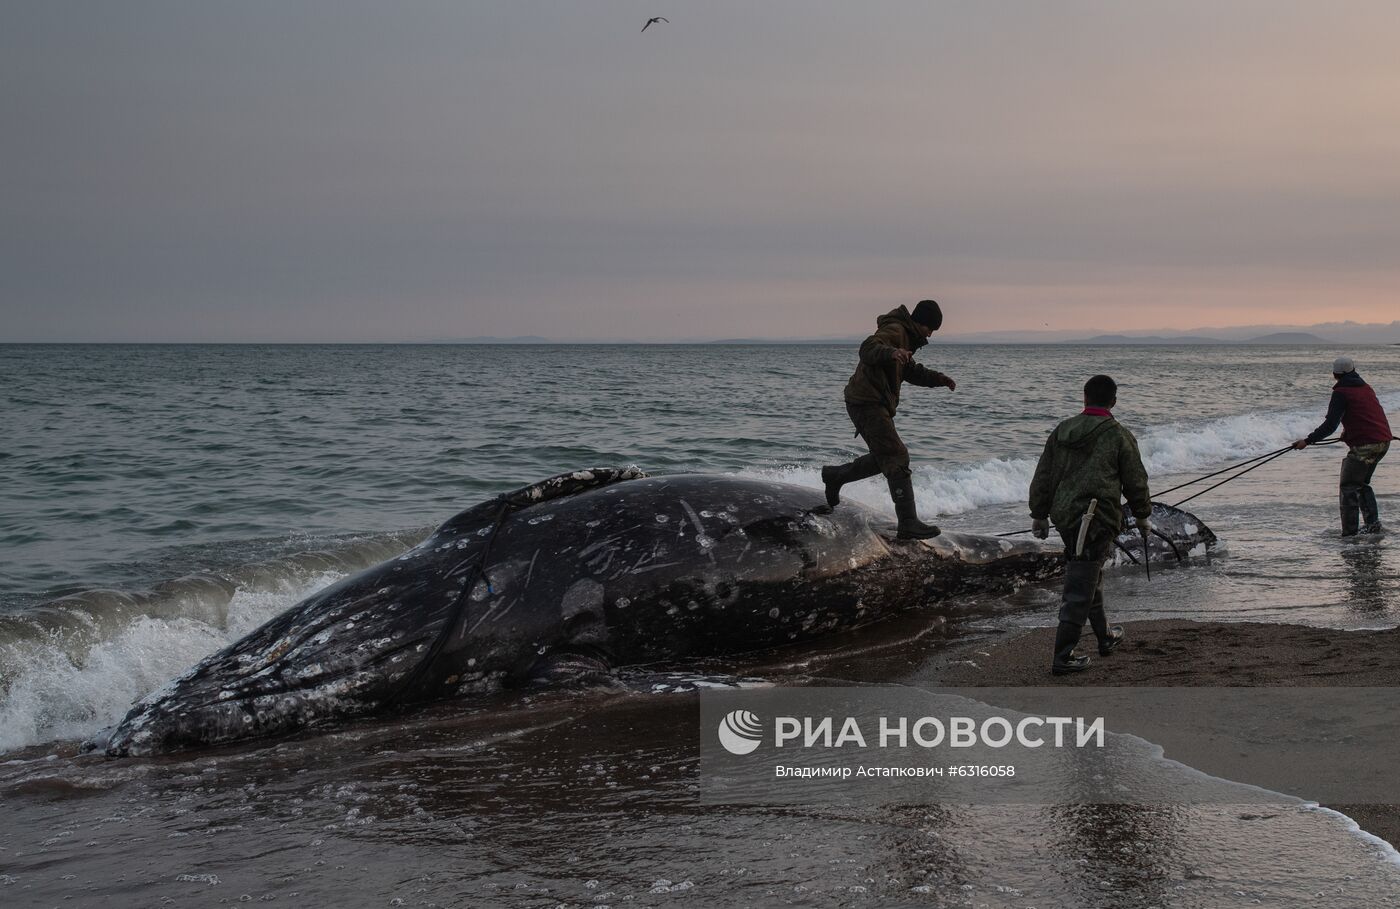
593, 569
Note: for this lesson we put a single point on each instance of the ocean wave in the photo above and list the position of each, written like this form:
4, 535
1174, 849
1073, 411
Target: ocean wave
53, 694
76, 664
1167, 451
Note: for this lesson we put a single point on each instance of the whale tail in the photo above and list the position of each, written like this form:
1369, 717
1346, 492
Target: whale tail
1177, 535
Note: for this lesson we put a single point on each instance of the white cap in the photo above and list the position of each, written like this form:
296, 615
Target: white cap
1341, 365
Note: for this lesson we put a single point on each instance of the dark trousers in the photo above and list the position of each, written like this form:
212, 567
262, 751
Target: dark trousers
876, 427
1358, 499
1081, 603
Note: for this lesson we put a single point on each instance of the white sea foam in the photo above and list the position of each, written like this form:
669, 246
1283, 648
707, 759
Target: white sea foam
1167, 451
55, 695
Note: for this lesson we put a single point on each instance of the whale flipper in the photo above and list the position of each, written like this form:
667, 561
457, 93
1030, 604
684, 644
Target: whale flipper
569, 667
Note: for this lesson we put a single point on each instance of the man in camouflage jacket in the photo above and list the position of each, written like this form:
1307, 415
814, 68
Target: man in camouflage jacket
872, 396
1088, 457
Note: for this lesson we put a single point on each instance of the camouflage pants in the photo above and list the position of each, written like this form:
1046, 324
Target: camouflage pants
1357, 498
1364, 460
876, 427
1360, 463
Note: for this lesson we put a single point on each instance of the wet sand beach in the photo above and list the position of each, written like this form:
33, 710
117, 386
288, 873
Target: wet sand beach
1202, 654
1179, 652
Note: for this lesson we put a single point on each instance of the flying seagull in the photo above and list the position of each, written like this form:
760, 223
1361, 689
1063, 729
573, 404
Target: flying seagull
653, 20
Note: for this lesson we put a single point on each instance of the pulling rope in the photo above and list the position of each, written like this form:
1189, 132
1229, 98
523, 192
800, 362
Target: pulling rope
1259, 463
1254, 462
1248, 465
1168, 540
1208, 476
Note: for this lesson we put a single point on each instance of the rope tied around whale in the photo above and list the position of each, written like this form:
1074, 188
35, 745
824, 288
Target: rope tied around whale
557, 487
454, 613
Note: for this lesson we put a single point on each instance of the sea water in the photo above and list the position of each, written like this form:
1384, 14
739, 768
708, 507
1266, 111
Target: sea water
161, 501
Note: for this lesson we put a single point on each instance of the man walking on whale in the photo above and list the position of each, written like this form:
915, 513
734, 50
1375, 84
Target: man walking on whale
1090, 462
872, 396
1366, 432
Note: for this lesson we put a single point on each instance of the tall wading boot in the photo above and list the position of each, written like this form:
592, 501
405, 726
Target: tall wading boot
1081, 581
910, 527
1110, 636
1370, 511
833, 478
1350, 501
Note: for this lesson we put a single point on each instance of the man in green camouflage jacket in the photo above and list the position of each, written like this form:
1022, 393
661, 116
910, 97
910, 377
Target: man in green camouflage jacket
1088, 457
872, 396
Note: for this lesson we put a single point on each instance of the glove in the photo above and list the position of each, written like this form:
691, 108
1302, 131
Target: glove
1040, 528
1144, 525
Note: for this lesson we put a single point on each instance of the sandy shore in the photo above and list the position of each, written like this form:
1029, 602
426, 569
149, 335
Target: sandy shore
1206, 654
1174, 652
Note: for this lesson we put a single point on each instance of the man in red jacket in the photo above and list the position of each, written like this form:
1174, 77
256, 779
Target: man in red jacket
1366, 433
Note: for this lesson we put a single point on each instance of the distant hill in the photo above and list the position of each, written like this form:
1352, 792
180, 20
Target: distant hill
1278, 337
1331, 333
787, 341
1288, 337
492, 339
1149, 339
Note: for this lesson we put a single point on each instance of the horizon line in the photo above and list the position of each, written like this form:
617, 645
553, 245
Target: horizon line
736, 342
1008, 336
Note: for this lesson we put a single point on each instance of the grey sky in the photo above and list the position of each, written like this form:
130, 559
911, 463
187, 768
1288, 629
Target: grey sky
359, 171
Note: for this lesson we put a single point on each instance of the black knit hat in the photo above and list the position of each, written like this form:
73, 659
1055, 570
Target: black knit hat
927, 313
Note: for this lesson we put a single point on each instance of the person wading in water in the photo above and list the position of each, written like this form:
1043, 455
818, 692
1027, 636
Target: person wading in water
872, 396
1366, 432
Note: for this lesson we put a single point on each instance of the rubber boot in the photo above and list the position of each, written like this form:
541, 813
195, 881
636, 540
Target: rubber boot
834, 478
1081, 582
1370, 511
1109, 636
1066, 660
1350, 501
910, 527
